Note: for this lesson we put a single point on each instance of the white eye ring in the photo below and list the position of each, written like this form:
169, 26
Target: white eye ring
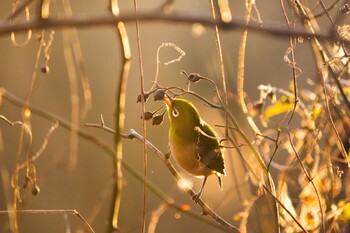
175, 113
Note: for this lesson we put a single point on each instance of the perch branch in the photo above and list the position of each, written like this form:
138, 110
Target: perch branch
205, 208
88, 136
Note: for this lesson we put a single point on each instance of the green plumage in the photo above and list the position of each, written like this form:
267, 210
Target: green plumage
193, 143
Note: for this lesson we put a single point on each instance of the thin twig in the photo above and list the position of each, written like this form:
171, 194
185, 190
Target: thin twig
156, 214
222, 68
143, 108
277, 144
73, 212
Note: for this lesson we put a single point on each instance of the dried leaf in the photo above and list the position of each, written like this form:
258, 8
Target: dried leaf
345, 9
344, 31
263, 208
316, 111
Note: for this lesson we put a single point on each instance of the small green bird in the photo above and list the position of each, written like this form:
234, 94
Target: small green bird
193, 143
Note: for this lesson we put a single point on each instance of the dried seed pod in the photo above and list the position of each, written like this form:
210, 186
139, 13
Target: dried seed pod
26, 182
159, 95
146, 95
257, 108
272, 96
157, 119
35, 189
45, 69
147, 116
193, 77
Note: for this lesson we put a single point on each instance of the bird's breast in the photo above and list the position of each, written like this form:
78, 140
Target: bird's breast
186, 156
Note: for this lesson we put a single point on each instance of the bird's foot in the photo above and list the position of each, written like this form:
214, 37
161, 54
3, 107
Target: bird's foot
167, 155
196, 197
223, 140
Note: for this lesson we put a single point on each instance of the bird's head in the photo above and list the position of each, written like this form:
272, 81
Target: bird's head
182, 113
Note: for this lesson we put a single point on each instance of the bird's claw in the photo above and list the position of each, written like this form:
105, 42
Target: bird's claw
167, 155
196, 197
223, 140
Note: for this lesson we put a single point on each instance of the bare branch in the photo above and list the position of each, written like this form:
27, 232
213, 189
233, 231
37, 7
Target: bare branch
106, 19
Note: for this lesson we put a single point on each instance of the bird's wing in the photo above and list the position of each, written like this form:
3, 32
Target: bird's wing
209, 150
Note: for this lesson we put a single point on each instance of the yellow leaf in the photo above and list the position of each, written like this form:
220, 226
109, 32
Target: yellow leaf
278, 108
317, 110
345, 213
2, 92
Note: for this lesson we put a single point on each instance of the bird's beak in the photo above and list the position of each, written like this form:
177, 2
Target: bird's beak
167, 101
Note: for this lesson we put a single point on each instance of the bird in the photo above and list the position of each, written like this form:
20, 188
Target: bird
193, 143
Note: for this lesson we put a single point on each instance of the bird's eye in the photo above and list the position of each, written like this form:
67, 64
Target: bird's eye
175, 113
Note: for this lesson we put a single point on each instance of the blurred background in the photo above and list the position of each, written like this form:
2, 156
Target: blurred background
88, 185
